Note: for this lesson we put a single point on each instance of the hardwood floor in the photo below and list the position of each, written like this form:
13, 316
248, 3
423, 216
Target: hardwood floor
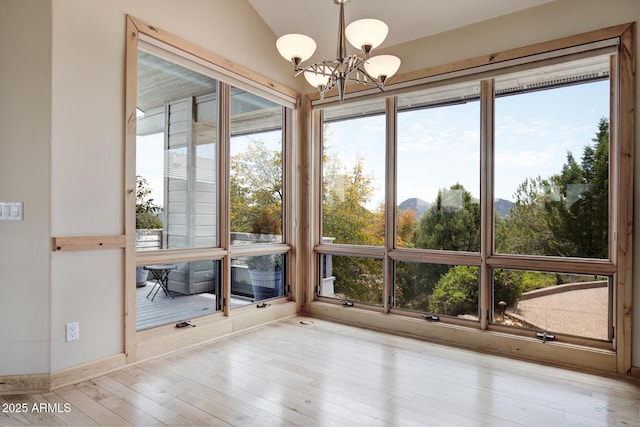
290, 373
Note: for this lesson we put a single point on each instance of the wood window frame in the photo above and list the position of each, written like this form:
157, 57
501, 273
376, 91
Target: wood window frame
141, 345
575, 353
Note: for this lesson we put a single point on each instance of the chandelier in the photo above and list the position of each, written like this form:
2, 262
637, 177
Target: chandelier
363, 34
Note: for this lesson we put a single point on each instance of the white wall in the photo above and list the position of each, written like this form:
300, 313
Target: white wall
560, 18
25, 134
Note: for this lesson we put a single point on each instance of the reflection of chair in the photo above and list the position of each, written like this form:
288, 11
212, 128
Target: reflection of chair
161, 275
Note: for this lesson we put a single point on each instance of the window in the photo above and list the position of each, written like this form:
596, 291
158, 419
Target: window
353, 200
552, 160
437, 289
177, 185
353, 178
257, 278
193, 289
212, 174
256, 169
504, 195
553, 302
352, 279
176, 156
438, 172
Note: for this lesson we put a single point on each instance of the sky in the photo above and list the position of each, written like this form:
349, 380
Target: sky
150, 164
439, 147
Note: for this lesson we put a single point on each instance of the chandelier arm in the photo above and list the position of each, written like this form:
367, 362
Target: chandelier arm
374, 81
355, 65
315, 68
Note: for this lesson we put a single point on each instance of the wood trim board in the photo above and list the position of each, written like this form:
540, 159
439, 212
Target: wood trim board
491, 58
85, 243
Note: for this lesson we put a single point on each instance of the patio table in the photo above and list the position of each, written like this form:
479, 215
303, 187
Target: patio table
160, 273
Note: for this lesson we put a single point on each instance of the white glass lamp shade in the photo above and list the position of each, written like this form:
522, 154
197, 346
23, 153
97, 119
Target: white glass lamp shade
296, 46
366, 32
321, 78
382, 66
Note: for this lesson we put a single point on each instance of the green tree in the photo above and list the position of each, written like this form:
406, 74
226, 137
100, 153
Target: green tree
565, 214
535, 217
456, 292
256, 190
406, 228
452, 223
146, 208
406, 293
345, 193
346, 218
585, 219
415, 283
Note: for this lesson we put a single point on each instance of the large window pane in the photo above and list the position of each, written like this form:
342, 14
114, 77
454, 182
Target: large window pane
257, 278
256, 169
174, 292
552, 161
573, 304
450, 290
438, 173
351, 278
353, 179
176, 156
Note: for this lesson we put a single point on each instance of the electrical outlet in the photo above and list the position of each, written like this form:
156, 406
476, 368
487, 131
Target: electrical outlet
73, 331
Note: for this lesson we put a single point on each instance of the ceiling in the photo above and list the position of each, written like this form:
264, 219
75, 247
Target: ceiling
407, 19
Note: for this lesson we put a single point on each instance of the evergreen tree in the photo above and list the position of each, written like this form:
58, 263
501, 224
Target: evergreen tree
452, 223
586, 188
566, 214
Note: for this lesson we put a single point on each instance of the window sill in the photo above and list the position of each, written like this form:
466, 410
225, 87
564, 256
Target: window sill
565, 355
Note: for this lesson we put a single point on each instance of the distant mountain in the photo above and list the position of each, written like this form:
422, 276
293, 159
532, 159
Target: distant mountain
502, 207
415, 204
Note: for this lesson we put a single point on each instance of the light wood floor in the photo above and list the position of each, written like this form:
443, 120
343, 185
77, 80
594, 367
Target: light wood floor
289, 373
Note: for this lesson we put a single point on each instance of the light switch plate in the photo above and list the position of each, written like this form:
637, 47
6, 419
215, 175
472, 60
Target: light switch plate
11, 211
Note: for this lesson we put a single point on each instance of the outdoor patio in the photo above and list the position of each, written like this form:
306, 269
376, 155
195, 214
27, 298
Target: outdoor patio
568, 310
164, 309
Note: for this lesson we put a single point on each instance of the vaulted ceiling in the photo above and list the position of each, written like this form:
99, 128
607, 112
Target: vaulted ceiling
407, 19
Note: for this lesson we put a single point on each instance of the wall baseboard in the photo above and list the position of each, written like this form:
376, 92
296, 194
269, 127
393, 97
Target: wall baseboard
22, 384
86, 371
44, 383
